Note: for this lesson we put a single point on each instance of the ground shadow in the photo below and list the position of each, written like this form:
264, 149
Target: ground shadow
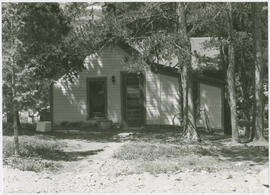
225, 150
59, 155
220, 144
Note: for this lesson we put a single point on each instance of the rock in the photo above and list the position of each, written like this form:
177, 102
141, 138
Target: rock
229, 177
249, 172
238, 164
204, 171
124, 134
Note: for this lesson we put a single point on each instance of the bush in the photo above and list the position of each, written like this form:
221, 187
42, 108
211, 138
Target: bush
28, 126
88, 124
64, 123
26, 129
68, 125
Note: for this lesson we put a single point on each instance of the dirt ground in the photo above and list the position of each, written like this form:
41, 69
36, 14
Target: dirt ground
100, 172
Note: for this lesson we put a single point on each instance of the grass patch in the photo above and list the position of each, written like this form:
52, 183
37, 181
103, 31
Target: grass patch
31, 147
35, 154
151, 152
166, 158
32, 164
169, 158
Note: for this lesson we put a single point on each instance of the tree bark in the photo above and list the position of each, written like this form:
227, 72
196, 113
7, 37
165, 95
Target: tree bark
258, 88
231, 77
18, 120
184, 58
14, 113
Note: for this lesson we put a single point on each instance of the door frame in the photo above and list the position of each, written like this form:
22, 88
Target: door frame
88, 80
142, 87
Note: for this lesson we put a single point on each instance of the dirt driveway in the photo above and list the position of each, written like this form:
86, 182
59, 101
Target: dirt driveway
96, 170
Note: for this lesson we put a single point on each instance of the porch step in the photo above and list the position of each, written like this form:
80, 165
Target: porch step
73, 131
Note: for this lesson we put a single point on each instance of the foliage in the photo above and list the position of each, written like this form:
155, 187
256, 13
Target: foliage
150, 28
211, 23
38, 47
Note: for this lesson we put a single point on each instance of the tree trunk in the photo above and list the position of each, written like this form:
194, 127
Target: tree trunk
184, 58
258, 89
18, 120
16, 133
10, 118
15, 118
231, 77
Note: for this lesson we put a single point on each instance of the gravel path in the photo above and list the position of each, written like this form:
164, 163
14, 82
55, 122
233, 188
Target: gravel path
102, 173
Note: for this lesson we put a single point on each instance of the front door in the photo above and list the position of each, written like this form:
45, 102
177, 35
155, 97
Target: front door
97, 100
132, 93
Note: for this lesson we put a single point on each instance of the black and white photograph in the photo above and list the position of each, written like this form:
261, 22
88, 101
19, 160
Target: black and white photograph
134, 97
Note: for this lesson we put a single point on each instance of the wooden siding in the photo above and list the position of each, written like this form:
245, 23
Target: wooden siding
70, 99
169, 94
162, 98
152, 98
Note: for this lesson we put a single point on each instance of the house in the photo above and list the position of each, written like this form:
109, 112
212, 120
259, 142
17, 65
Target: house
105, 89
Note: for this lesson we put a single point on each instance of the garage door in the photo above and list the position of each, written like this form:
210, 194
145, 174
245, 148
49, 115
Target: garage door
212, 102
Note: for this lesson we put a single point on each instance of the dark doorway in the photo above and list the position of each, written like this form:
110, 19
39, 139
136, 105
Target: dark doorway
97, 97
133, 100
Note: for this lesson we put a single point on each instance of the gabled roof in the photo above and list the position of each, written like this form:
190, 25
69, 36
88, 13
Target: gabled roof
202, 54
198, 48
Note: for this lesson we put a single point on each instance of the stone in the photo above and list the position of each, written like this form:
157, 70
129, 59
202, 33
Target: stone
229, 177
249, 172
124, 134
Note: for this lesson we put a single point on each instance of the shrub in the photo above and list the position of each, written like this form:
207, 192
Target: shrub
87, 124
68, 125
64, 123
28, 126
